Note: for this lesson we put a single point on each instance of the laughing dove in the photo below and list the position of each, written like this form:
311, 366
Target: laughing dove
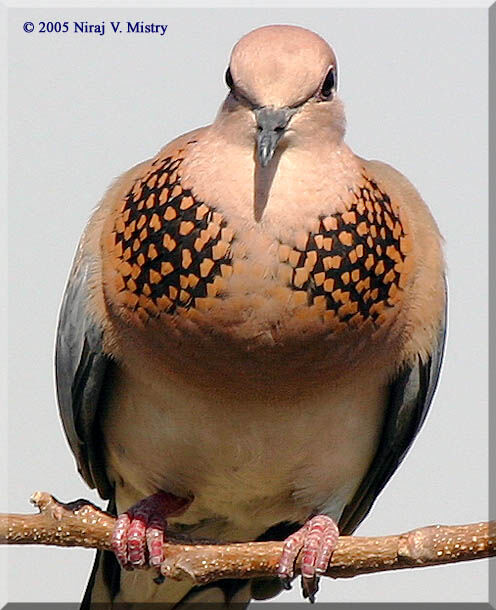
252, 331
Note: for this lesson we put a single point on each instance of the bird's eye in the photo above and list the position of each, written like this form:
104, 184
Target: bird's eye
329, 84
229, 78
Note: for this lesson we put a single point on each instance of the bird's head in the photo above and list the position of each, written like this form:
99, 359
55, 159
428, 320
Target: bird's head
283, 82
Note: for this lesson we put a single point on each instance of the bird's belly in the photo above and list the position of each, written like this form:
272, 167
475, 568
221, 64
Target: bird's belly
250, 464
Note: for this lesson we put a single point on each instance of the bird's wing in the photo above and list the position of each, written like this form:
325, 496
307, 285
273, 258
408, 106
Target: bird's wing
411, 394
80, 368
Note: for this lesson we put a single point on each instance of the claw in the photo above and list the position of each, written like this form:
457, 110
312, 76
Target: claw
316, 540
159, 579
310, 587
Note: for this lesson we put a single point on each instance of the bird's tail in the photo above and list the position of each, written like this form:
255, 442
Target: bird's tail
103, 592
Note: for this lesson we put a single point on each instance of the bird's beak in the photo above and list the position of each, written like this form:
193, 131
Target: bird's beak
271, 123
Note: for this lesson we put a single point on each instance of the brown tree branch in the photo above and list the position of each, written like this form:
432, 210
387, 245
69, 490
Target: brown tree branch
82, 524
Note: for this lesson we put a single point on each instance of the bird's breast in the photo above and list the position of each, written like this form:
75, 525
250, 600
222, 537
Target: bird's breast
178, 266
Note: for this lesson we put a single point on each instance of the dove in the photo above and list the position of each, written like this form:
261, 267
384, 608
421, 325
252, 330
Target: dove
251, 333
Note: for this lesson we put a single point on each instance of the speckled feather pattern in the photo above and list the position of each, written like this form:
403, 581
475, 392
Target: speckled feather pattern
171, 251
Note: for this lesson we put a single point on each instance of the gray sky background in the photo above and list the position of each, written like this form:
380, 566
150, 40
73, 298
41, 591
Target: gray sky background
84, 108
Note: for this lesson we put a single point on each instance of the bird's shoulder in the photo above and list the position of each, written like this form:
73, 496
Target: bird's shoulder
403, 191
424, 307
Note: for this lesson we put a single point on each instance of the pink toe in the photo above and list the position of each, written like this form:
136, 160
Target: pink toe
291, 548
327, 535
136, 539
119, 539
308, 564
155, 535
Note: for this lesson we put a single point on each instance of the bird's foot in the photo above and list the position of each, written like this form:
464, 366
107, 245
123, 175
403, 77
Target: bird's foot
316, 540
139, 533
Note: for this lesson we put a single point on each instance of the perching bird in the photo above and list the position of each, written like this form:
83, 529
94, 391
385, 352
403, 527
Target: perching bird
252, 331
